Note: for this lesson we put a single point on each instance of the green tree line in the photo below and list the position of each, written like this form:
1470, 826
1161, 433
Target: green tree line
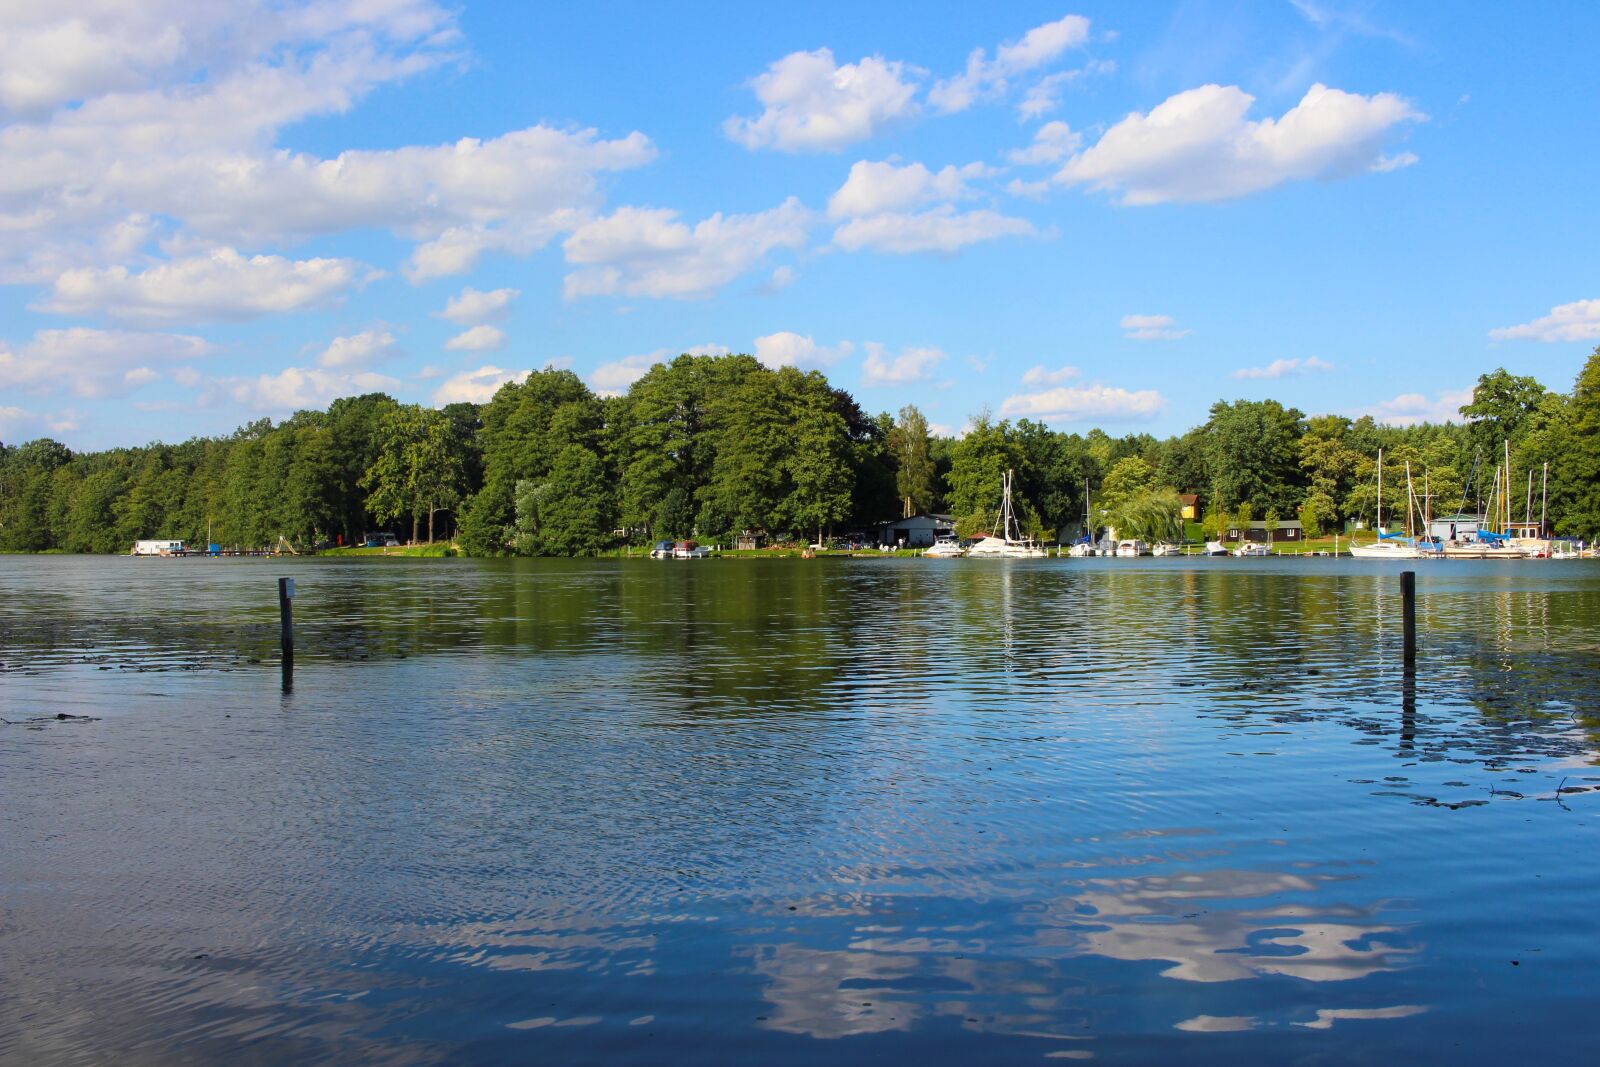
708, 446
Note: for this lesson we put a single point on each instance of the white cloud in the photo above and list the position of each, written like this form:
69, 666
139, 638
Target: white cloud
911, 365
1285, 368
357, 350
649, 252
220, 285
1410, 409
1577, 321
1040, 376
18, 424
296, 388
471, 306
1198, 145
1068, 403
814, 105
475, 386
872, 188
786, 349
1044, 96
93, 363
1052, 142
170, 111
483, 338
940, 229
613, 379
782, 277
985, 78
1152, 328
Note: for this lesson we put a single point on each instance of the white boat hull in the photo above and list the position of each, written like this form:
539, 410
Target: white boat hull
1385, 550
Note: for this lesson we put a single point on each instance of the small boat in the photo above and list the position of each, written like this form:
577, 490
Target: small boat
1165, 548
1081, 549
1388, 546
1251, 548
1009, 543
1216, 548
661, 550
690, 550
1132, 548
945, 548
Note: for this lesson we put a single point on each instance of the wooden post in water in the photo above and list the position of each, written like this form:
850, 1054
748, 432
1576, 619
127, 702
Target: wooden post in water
286, 625
1408, 616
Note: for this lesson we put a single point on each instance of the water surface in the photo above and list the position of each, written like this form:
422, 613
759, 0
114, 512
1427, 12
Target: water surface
797, 812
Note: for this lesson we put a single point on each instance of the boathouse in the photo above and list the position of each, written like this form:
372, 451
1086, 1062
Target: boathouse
916, 531
1286, 530
1457, 527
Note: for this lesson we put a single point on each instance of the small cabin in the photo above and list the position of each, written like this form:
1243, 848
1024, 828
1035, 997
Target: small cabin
750, 540
1285, 530
916, 531
1191, 506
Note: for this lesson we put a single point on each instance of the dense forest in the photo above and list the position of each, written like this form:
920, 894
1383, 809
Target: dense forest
709, 446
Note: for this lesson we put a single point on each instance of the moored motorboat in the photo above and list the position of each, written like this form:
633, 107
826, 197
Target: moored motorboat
945, 548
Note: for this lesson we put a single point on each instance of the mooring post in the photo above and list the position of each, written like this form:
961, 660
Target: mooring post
1408, 616
286, 624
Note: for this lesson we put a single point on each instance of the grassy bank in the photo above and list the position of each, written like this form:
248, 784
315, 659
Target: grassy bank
436, 550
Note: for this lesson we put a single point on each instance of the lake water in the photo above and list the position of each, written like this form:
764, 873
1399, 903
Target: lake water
788, 812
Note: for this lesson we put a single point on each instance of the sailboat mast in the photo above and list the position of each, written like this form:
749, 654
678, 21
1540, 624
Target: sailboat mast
1544, 499
1411, 498
1380, 492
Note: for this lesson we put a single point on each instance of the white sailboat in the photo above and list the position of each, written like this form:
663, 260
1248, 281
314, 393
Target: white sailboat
1009, 542
1388, 546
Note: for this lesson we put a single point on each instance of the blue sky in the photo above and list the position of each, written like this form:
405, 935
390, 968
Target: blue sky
1094, 215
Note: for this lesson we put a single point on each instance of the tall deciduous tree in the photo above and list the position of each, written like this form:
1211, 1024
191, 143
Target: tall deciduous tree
913, 461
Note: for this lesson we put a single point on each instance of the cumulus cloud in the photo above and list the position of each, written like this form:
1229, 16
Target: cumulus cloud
1198, 145
875, 198
1052, 142
170, 111
484, 338
357, 350
871, 188
1410, 409
613, 379
19, 424
1039, 375
296, 388
940, 229
1577, 321
1285, 368
1067, 403
219, 285
475, 386
471, 307
985, 78
911, 365
1152, 328
812, 104
649, 252
787, 349
94, 363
